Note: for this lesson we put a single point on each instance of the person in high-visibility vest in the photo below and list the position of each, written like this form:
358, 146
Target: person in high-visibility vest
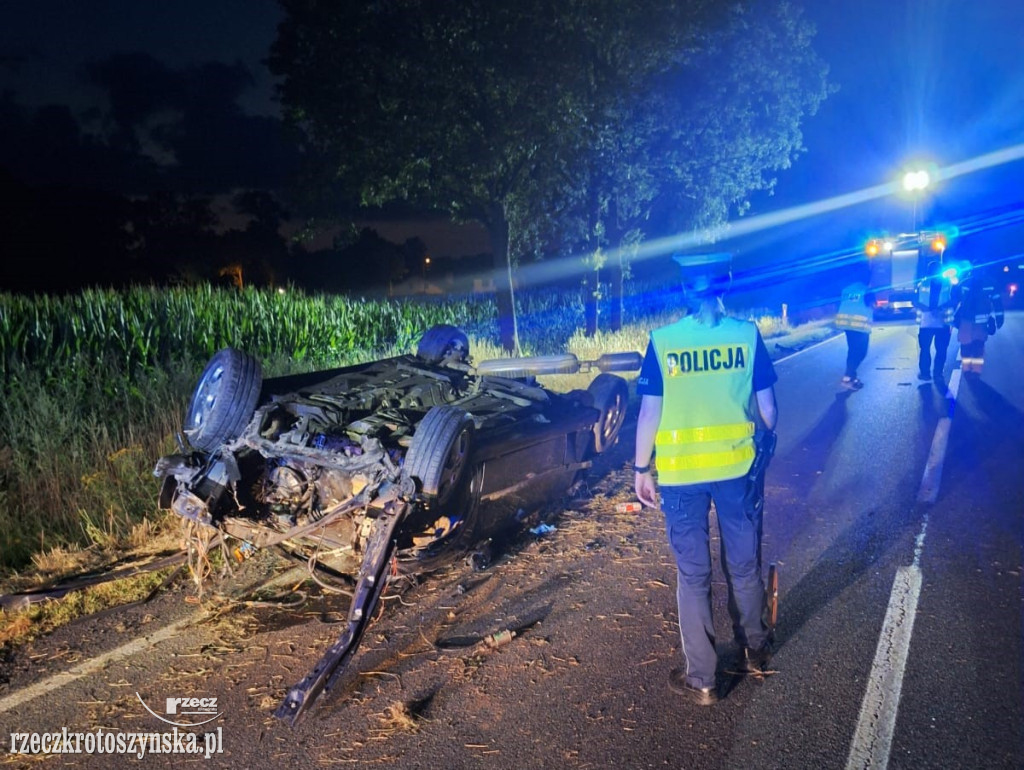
854, 318
934, 301
703, 418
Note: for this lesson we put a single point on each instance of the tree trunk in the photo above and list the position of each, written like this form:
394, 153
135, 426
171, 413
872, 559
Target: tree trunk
592, 281
590, 285
615, 291
615, 271
501, 264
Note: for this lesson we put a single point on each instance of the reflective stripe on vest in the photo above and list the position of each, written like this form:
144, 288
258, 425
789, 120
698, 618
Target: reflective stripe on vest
857, 323
706, 430
707, 433
853, 313
948, 315
704, 464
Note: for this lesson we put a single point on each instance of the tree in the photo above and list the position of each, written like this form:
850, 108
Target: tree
679, 142
515, 114
173, 238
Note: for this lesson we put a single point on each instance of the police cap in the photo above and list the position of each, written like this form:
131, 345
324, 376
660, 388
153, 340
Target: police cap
712, 270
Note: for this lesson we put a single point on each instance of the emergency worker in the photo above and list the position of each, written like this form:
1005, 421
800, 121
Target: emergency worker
934, 301
705, 419
978, 316
854, 318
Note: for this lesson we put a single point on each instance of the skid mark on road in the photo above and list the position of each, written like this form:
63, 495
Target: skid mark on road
872, 740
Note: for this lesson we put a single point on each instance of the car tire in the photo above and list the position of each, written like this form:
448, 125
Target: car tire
443, 342
224, 399
611, 397
439, 453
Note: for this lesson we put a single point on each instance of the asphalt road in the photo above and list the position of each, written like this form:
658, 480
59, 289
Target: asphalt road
850, 468
899, 642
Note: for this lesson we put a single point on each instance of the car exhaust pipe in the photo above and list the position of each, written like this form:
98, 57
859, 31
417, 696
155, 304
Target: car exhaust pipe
562, 363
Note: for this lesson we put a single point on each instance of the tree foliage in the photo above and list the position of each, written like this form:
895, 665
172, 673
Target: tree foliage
555, 125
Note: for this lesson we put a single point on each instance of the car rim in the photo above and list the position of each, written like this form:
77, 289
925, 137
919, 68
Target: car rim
610, 424
206, 397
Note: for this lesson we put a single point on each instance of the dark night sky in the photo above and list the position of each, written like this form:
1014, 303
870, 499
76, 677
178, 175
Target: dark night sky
45, 44
936, 80
155, 95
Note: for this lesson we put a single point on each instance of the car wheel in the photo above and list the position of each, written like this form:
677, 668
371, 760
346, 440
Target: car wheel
224, 400
439, 452
611, 396
443, 342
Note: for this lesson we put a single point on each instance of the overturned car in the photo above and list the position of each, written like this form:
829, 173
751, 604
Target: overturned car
387, 467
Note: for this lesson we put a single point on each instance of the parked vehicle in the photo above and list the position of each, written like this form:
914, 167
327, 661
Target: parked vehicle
403, 463
898, 263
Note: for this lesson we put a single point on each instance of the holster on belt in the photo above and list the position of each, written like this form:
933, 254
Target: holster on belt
764, 448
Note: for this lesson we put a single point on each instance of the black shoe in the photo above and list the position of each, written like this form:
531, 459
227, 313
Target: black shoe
756, 661
702, 696
923, 376
937, 375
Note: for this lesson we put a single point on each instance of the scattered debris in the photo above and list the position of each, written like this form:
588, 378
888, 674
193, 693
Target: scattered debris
499, 638
399, 717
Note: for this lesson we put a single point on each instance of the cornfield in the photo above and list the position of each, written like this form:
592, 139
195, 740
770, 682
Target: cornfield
147, 327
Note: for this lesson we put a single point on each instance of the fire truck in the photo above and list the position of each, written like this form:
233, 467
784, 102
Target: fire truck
897, 264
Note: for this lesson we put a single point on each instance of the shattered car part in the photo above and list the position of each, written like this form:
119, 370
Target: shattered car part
405, 463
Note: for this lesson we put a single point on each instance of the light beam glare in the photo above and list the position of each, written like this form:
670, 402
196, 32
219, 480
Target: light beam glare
560, 269
996, 158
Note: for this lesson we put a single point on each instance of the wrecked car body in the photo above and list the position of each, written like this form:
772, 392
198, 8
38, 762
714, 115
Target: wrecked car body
389, 467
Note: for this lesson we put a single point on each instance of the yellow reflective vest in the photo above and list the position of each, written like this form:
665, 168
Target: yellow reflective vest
707, 428
853, 313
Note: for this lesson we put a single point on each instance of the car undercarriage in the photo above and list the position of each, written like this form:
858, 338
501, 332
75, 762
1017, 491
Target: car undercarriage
385, 468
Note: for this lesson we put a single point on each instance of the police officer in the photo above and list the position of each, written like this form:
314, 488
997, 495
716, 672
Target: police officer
854, 318
933, 301
700, 417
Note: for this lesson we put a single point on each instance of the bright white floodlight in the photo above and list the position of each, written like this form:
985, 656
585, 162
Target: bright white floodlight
916, 180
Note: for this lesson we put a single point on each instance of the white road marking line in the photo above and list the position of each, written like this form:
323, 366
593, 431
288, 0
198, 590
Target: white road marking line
92, 665
872, 740
929, 490
138, 644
